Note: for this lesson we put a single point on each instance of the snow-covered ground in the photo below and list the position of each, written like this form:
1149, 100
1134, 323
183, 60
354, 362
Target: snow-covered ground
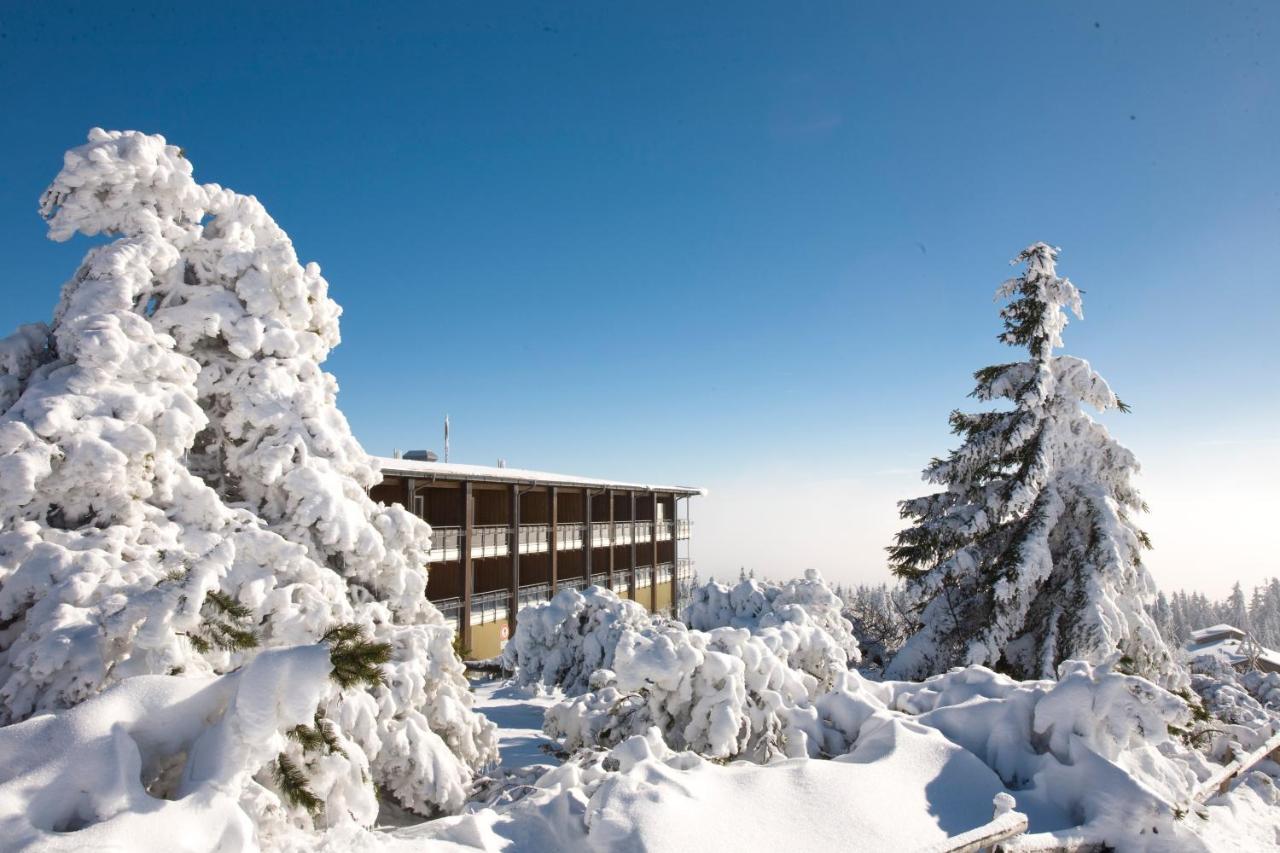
906, 787
518, 712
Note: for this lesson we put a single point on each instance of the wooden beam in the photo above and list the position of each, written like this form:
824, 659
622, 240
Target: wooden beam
464, 562
513, 555
410, 486
653, 568
586, 537
612, 538
633, 544
675, 553
553, 516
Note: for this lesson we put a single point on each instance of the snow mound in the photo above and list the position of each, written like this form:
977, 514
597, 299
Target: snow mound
158, 763
1090, 754
905, 788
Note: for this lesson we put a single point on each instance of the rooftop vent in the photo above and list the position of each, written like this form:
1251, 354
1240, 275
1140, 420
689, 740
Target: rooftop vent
421, 455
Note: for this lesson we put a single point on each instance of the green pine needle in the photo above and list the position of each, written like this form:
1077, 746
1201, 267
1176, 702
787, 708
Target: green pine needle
292, 783
356, 660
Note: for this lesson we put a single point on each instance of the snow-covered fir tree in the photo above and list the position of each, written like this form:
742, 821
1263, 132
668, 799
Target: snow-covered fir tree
178, 490
1031, 555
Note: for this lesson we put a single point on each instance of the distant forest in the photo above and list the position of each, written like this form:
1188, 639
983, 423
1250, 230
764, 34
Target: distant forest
882, 623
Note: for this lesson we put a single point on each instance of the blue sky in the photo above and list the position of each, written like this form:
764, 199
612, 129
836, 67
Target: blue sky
746, 246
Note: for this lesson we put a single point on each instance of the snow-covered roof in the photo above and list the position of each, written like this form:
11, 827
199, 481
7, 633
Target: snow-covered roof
1222, 630
456, 471
1224, 643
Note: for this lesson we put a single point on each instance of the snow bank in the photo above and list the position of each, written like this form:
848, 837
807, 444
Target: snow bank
158, 763
1096, 754
1089, 754
906, 788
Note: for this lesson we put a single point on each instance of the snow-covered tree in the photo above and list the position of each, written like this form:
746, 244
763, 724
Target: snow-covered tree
1237, 610
1031, 555
754, 605
879, 620
178, 489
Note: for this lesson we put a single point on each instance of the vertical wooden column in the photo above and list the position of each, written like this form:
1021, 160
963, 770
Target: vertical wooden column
410, 486
464, 561
675, 552
552, 533
513, 554
613, 538
653, 569
586, 537
633, 544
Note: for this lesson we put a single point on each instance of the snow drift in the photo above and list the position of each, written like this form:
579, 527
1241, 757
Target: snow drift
158, 763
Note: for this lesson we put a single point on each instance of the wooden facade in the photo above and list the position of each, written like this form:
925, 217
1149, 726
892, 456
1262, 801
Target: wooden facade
503, 539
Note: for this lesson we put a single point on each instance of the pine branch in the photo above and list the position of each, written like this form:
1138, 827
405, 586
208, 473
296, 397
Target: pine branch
219, 630
312, 738
292, 783
356, 660
228, 605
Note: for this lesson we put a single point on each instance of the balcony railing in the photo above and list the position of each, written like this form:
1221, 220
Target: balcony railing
534, 538
662, 574
445, 542
570, 583
534, 593
493, 540
601, 579
489, 606
569, 536
644, 576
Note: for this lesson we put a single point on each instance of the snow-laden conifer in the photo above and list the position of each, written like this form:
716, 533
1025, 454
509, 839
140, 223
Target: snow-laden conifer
1031, 555
178, 489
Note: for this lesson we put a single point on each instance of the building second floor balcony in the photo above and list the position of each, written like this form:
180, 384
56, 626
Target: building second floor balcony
494, 540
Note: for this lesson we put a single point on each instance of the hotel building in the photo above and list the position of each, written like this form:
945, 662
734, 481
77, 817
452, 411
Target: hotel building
504, 538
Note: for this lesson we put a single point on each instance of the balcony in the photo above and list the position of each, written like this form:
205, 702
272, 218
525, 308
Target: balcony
494, 540
534, 593
490, 606
535, 538
569, 536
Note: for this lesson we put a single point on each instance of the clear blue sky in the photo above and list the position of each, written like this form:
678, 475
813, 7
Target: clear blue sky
726, 243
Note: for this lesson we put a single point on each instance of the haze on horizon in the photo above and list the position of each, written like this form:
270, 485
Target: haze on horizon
748, 256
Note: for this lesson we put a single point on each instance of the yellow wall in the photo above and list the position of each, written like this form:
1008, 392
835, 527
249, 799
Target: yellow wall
664, 595
486, 640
